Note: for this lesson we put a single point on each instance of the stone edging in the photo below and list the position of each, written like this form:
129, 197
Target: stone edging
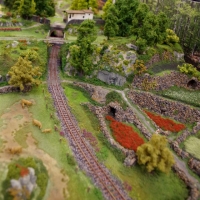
8, 89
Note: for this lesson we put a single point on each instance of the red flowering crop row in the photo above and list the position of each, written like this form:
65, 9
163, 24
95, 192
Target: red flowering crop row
166, 124
124, 134
10, 29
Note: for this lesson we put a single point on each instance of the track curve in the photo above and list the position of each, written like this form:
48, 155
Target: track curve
110, 187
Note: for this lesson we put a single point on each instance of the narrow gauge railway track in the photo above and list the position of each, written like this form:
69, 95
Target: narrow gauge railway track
110, 187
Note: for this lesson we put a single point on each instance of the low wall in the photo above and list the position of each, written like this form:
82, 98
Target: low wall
7, 89
166, 81
169, 108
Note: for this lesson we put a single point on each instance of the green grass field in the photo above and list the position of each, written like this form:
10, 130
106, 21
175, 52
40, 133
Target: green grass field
144, 185
78, 182
31, 33
191, 97
192, 145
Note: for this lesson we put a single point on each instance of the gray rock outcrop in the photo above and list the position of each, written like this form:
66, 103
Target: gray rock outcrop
111, 78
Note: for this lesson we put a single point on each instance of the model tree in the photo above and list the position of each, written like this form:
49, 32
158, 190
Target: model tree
81, 53
155, 154
125, 10
24, 75
83, 4
111, 27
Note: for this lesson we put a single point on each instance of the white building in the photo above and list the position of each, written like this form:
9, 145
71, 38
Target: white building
78, 15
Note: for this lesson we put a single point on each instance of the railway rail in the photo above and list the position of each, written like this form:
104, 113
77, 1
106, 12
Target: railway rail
110, 187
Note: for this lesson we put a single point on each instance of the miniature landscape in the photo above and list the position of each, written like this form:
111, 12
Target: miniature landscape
99, 104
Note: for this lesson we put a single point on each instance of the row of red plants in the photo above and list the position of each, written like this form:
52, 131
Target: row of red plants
10, 29
124, 134
166, 124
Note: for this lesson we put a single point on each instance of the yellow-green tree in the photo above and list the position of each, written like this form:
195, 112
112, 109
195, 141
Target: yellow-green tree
139, 67
155, 154
24, 75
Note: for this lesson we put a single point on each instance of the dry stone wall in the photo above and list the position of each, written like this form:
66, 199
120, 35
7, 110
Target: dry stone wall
7, 89
169, 108
166, 81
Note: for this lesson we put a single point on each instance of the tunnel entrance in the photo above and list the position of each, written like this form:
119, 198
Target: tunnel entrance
57, 33
112, 111
57, 30
192, 84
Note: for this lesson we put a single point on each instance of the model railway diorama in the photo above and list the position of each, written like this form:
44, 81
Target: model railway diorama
99, 100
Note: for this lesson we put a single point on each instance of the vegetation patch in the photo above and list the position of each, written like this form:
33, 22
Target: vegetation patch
166, 124
192, 145
125, 135
181, 94
116, 97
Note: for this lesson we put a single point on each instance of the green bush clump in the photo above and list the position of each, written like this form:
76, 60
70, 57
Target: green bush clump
189, 69
115, 96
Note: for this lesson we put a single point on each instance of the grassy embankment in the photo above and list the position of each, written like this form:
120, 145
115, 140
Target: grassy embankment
144, 185
78, 182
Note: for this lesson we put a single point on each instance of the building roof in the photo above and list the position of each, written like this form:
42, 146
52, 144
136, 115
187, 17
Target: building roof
78, 11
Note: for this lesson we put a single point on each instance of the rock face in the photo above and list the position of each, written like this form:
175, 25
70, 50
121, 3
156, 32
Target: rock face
132, 46
179, 56
28, 181
111, 78
173, 109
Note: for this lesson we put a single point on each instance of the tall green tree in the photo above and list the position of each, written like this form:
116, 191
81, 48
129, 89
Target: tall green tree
111, 28
83, 4
24, 75
149, 30
125, 10
106, 7
45, 8
139, 17
81, 54
155, 154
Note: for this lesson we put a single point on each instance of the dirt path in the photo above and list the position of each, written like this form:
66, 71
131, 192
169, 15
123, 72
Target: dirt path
18, 117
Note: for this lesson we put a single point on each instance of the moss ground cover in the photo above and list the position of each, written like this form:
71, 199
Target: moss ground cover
78, 183
166, 124
191, 97
192, 145
143, 185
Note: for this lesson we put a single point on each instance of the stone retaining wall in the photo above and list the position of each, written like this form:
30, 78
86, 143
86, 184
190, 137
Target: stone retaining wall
193, 189
166, 81
7, 89
169, 108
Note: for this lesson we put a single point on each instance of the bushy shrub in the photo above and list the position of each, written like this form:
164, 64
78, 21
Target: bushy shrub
115, 96
189, 69
142, 45
139, 67
171, 37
